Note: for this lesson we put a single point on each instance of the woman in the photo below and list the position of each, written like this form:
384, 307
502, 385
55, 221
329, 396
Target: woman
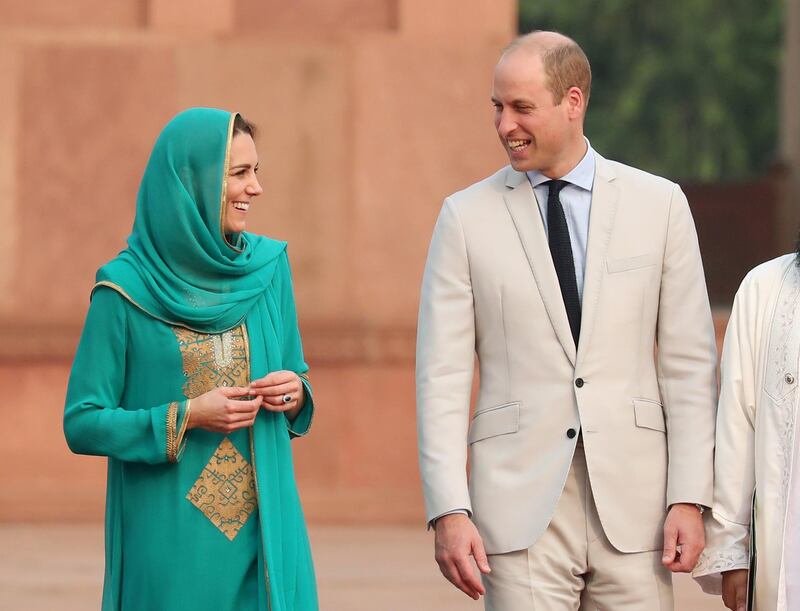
189, 376
756, 448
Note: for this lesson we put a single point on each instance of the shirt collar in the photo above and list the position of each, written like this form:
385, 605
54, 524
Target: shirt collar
582, 175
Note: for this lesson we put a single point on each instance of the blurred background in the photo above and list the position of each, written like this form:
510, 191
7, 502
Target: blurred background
370, 112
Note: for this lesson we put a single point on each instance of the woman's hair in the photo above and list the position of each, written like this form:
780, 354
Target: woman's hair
243, 126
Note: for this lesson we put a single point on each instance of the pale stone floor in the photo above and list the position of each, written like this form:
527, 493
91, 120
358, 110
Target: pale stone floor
47, 567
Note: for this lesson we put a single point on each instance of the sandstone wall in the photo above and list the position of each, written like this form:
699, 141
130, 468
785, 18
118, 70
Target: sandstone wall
370, 112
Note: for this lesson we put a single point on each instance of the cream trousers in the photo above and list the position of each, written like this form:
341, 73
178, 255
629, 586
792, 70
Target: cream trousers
574, 566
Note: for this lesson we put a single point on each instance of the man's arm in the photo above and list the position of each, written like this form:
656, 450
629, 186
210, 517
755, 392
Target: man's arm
445, 366
686, 358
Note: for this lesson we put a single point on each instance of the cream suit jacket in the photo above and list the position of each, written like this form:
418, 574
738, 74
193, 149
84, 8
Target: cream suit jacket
646, 414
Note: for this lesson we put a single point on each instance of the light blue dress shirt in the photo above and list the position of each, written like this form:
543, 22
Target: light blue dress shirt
576, 199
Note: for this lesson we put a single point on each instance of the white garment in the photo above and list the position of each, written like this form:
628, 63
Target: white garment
791, 549
755, 437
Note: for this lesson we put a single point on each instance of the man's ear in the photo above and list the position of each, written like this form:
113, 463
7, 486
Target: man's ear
576, 102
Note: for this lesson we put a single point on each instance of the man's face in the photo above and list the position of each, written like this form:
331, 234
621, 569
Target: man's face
534, 131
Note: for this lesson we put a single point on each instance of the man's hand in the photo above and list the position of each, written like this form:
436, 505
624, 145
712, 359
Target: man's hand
734, 589
456, 540
684, 538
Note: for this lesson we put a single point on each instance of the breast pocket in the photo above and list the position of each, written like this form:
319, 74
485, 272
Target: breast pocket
649, 415
615, 266
781, 375
493, 421
780, 384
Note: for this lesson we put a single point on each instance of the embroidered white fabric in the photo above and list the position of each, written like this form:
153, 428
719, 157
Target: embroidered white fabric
712, 564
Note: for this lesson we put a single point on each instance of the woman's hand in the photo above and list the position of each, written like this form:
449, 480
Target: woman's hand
734, 589
282, 391
219, 410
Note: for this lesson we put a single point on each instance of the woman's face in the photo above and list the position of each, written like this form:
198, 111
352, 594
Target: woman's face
243, 184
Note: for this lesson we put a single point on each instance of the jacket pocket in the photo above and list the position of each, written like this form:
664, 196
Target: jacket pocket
493, 421
628, 263
649, 415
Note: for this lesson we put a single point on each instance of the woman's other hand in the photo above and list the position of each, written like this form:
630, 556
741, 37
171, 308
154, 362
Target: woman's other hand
282, 391
220, 410
734, 589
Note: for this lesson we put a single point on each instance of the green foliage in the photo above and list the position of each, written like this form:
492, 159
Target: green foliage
686, 89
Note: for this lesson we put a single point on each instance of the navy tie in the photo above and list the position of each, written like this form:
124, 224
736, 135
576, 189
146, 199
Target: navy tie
561, 250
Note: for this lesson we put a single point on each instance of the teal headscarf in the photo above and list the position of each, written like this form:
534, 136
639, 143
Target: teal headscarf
179, 266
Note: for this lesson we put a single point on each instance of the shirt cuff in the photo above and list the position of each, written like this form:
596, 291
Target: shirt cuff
432, 523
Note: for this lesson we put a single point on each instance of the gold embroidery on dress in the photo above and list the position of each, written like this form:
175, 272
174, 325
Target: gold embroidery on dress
210, 361
223, 345
225, 491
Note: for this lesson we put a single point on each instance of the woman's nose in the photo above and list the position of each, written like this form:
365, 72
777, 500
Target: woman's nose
254, 188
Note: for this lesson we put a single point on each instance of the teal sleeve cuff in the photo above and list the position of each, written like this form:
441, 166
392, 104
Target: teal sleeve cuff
302, 422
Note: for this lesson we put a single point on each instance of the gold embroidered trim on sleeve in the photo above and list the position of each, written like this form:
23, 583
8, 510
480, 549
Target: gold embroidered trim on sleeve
172, 421
180, 442
185, 422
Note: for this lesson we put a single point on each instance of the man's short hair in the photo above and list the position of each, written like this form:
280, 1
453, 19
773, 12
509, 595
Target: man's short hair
565, 63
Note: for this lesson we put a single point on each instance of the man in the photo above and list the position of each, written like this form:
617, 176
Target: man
590, 449
757, 447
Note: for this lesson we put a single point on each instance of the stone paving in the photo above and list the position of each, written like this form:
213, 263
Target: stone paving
47, 567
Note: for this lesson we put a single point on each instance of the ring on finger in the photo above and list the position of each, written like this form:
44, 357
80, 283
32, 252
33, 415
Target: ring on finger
287, 398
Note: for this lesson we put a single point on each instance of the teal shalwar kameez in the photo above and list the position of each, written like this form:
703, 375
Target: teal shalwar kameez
194, 519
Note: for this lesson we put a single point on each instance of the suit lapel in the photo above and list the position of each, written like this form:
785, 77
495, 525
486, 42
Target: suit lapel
605, 196
521, 203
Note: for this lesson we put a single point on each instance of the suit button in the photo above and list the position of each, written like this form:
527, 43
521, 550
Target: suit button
579, 382
571, 433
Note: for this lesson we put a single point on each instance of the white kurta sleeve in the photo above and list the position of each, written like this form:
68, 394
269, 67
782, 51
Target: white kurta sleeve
728, 525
